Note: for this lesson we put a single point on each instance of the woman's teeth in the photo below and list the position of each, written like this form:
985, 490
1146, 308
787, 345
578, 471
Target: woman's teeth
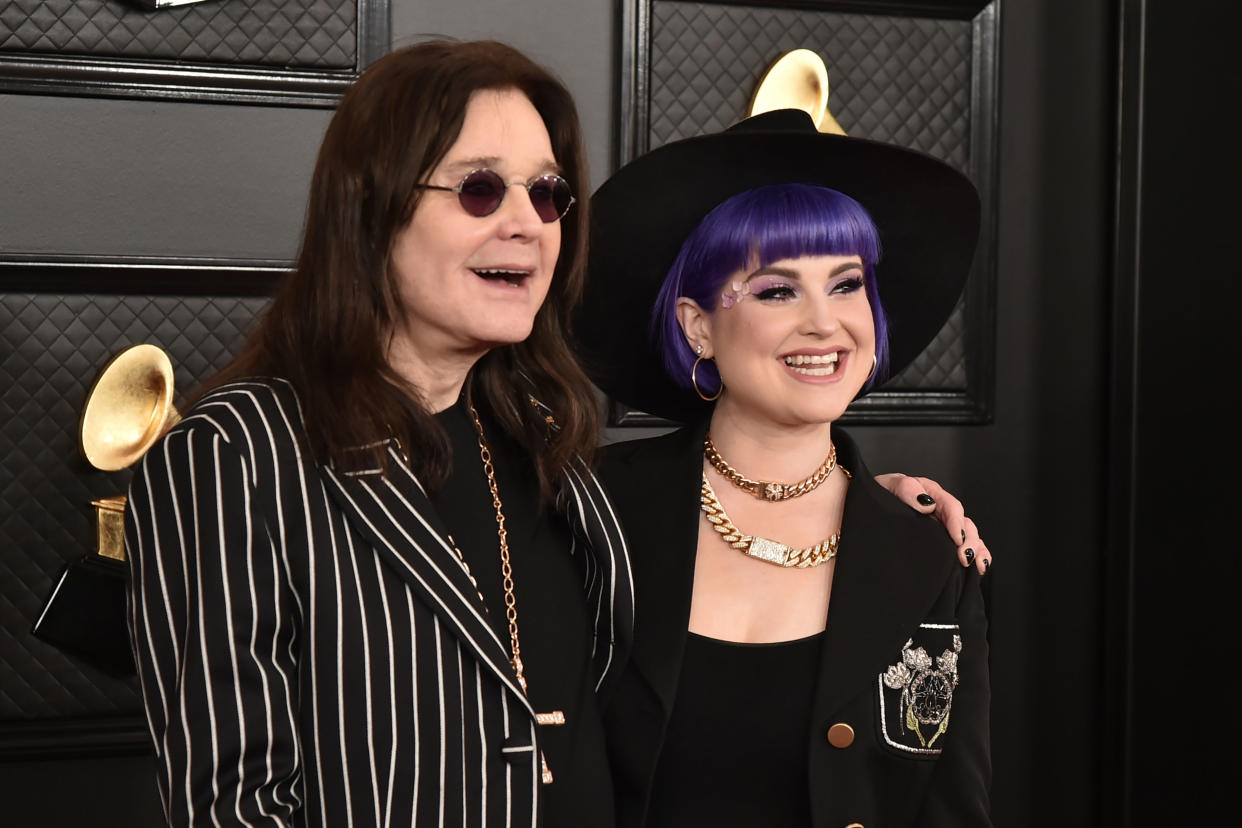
510, 277
812, 365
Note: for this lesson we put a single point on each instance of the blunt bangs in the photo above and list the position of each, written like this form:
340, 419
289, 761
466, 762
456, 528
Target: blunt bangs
754, 229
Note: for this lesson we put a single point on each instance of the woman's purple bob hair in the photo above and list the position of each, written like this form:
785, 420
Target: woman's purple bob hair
754, 229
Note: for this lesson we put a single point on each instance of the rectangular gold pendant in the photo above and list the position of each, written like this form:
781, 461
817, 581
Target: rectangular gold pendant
556, 717
768, 550
545, 774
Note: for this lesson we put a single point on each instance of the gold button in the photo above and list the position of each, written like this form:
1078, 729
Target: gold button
841, 735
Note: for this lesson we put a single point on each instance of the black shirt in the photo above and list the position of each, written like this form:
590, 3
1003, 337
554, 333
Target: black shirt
735, 752
555, 629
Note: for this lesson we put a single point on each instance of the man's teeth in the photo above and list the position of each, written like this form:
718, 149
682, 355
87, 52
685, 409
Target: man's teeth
815, 365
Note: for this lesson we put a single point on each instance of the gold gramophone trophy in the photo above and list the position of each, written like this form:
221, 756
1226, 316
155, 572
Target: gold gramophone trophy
128, 408
797, 79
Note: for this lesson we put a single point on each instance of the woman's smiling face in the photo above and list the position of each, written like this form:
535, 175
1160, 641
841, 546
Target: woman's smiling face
793, 341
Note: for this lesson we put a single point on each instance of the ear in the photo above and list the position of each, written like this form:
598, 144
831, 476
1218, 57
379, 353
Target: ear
696, 324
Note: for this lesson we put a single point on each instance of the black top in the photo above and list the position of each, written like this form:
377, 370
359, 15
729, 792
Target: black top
735, 752
554, 627
897, 578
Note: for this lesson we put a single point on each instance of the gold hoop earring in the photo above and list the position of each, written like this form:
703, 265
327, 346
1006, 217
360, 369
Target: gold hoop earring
875, 363
695, 382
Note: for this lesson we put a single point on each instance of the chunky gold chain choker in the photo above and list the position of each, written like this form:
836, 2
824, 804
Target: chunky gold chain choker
772, 492
768, 551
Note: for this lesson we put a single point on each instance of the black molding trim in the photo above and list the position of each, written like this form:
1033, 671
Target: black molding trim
33, 273
74, 738
374, 31
973, 406
980, 292
877, 408
956, 9
1119, 729
201, 82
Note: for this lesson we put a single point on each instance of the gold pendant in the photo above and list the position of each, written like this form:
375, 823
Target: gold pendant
769, 550
556, 717
546, 773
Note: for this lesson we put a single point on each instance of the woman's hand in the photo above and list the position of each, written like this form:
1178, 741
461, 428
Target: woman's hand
929, 497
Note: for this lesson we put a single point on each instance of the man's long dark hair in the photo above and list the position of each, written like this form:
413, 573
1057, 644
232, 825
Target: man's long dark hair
328, 328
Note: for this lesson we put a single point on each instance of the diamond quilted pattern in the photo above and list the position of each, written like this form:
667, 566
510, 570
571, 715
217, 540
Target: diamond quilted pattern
903, 80
283, 33
51, 350
942, 365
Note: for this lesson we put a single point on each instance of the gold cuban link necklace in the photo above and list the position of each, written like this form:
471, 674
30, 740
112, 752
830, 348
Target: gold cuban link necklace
556, 717
761, 548
772, 492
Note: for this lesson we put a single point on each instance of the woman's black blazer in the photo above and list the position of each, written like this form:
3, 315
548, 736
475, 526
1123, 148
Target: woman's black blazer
311, 651
899, 599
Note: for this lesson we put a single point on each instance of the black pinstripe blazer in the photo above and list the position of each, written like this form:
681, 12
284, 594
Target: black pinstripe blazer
310, 649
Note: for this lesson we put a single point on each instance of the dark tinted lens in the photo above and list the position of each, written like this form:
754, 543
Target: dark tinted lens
481, 193
551, 197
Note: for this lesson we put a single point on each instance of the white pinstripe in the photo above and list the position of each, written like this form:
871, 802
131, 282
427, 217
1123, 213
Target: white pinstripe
245, 639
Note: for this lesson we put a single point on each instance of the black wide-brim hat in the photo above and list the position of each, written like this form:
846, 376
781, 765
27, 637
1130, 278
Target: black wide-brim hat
926, 211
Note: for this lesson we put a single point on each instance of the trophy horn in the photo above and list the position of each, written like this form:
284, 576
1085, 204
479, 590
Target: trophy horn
128, 408
797, 79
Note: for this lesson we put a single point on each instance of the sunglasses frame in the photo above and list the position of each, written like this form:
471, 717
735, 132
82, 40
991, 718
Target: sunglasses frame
505, 185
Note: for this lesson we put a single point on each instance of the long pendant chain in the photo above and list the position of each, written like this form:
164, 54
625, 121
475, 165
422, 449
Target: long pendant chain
556, 717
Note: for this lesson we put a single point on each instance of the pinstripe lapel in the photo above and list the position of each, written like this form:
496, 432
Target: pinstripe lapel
392, 511
608, 576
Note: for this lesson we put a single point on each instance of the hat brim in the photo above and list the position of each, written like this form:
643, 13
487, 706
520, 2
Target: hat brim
927, 214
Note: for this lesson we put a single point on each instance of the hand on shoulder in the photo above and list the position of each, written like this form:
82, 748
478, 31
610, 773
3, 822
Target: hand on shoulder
930, 498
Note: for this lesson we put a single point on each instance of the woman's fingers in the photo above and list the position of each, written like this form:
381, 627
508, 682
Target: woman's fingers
930, 498
973, 551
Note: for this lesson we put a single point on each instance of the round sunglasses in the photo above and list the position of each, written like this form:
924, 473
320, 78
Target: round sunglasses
481, 192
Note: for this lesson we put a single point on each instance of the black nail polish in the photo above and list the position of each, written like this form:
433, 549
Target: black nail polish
963, 536
987, 564
925, 499
970, 557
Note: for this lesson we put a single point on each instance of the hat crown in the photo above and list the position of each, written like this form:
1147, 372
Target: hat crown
777, 120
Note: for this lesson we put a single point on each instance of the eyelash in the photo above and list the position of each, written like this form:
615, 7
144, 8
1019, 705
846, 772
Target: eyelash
785, 293
848, 285
777, 293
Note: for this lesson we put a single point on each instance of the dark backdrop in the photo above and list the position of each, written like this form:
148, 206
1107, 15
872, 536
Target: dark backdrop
1092, 483
1174, 564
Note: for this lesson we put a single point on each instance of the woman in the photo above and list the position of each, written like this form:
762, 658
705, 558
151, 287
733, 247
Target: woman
772, 681
374, 582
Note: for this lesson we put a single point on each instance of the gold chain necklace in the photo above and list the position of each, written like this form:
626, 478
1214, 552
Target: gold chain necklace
556, 717
760, 548
772, 492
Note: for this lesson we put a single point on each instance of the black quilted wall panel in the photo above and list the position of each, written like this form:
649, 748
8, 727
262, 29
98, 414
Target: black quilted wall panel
321, 34
52, 348
905, 80
901, 79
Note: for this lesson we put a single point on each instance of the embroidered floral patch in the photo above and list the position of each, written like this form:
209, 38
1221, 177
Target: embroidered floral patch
916, 693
